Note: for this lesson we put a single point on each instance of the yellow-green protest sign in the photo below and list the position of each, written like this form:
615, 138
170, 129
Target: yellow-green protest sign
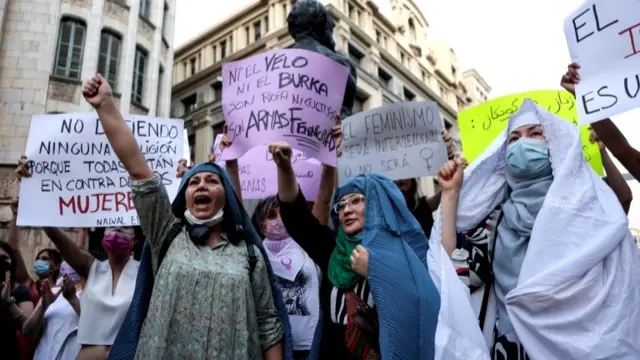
481, 124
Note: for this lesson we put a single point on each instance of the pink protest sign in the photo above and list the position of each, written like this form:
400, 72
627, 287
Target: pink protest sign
287, 95
258, 172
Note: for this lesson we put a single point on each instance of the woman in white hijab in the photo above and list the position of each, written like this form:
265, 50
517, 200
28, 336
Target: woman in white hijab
551, 264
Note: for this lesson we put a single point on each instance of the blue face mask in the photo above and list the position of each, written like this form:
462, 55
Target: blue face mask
528, 156
41, 267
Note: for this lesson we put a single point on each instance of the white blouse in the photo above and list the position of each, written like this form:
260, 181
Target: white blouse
60, 320
102, 310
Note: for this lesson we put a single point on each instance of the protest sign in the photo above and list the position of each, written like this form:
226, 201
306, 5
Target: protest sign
604, 38
78, 180
481, 124
399, 141
283, 95
259, 174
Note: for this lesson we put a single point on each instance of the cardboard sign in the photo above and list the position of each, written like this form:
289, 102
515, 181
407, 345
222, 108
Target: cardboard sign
78, 180
399, 141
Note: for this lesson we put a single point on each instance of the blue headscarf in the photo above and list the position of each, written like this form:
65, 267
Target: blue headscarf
405, 296
238, 224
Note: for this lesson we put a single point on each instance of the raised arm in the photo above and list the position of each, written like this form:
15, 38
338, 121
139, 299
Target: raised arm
22, 275
616, 181
450, 177
231, 165
34, 324
149, 195
316, 239
328, 180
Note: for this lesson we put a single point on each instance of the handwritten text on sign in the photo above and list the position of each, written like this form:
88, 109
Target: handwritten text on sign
259, 174
481, 124
283, 95
400, 141
78, 180
604, 38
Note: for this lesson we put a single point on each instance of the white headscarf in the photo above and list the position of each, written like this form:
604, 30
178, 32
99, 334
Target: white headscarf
578, 294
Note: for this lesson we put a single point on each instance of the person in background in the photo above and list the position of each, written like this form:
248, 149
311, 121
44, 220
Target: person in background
46, 267
212, 295
613, 177
109, 284
422, 207
15, 304
56, 317
95, 236
607, 131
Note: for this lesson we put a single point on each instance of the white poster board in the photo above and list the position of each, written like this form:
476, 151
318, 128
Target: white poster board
77, 178
399, 141
604, 38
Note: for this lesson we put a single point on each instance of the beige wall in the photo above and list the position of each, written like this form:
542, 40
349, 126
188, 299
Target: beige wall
396, 46
28, 43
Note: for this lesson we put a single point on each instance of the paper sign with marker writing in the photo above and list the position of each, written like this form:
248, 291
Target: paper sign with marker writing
481, 124
399, 141
259, 174
604, 38
77, 178
284, 95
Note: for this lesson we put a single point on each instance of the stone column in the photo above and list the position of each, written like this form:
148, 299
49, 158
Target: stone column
203, 128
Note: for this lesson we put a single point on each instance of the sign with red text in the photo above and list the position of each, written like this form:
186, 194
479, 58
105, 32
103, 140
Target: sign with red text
77, 178
604, 38
287, 95
399, 141
259, 174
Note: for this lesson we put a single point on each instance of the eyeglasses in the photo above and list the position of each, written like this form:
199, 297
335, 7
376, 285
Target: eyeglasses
343, 204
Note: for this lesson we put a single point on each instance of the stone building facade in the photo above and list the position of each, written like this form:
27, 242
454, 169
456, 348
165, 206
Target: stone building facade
394, 60
49, 47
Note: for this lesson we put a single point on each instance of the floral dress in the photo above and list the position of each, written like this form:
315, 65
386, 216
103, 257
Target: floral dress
206, 303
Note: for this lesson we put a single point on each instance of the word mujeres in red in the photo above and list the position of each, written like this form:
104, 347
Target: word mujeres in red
103, 202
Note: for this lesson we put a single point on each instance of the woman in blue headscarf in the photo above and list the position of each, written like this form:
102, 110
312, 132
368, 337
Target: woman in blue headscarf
214, 296
377, 295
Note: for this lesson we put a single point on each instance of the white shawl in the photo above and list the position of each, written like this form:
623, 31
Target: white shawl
578, 294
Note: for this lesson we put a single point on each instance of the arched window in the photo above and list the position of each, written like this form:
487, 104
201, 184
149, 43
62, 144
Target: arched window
71, 36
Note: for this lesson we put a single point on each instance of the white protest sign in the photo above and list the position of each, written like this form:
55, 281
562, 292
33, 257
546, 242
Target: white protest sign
604, 38
78, 180
399, 141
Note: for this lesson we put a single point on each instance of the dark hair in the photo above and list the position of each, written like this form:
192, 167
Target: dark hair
98, 252
56, 257
264, 207
12, 269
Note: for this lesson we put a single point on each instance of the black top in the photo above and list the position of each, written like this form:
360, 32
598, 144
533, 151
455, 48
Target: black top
9, 347
424, 215
318, 241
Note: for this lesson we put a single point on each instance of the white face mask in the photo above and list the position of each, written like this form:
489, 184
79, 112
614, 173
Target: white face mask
215, 220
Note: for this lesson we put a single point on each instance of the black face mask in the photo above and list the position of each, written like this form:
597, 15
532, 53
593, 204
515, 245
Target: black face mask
199, 234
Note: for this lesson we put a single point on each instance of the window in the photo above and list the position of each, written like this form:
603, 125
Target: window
189, 103
217, 91
284, 10
185, 69
165, 20
443, 91
384, 77
160, 92
257, 28
223, 49
145, 8
402, 58
350, 11
246, 30
68, 62
355, 54
378, 36
192, 147
139, 67
109, 58
357, 106
231, 44
193, 66
214, 53
412, 30
409, 95
454, 71
266, 24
